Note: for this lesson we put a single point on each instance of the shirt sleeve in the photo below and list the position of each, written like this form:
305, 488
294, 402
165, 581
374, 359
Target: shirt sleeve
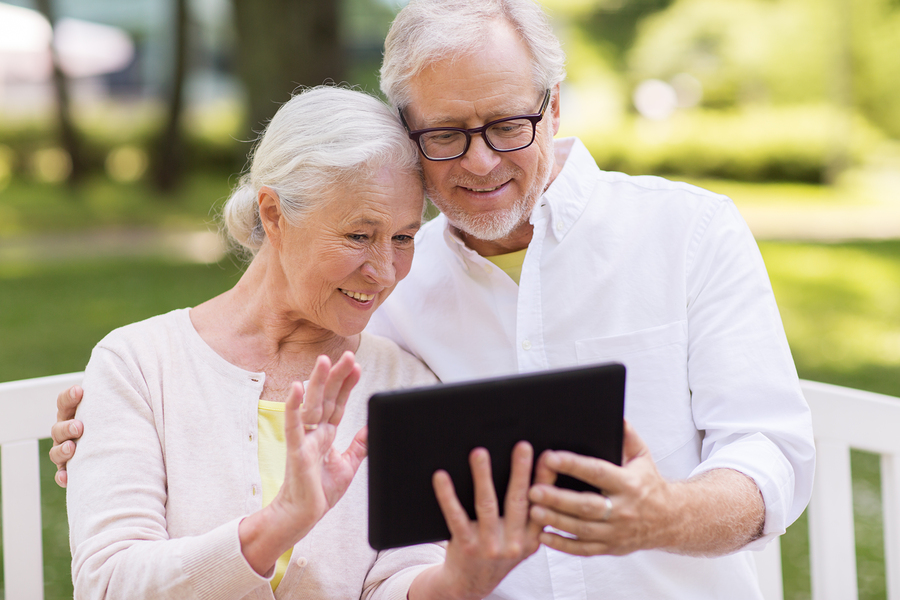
745, 394
116, 502
395, 570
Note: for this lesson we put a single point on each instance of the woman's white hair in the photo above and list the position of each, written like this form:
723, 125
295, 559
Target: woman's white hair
427, 31
321, 138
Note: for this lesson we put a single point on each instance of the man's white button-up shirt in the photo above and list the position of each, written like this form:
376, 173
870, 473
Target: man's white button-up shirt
665, 278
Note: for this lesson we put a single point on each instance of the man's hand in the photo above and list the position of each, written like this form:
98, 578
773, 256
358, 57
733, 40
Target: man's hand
65, 431
482, 552
714, 513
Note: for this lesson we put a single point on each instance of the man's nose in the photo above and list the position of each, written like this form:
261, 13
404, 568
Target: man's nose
480, 159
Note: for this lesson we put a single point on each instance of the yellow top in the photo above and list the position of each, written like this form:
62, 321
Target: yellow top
510, 263
272, 453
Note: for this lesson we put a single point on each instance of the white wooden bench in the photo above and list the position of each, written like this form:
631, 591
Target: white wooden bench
843, 418
27, 410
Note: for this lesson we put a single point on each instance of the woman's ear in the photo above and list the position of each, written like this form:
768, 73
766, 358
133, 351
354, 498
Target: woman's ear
270, 214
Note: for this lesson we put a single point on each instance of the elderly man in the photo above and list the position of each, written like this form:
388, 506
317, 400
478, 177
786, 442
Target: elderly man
541, 260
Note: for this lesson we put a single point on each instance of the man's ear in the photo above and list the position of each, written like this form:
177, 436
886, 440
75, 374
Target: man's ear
553, 109
270, 215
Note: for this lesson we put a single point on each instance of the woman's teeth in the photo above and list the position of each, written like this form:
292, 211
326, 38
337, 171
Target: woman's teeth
358, 296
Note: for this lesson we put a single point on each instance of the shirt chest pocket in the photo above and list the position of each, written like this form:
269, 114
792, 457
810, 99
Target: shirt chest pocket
657, 394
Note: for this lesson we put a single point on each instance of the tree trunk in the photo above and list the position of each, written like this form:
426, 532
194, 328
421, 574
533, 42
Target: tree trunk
168, 152
283, 44
69, 137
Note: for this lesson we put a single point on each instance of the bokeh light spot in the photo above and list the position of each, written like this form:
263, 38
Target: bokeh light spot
126, 164
51, 165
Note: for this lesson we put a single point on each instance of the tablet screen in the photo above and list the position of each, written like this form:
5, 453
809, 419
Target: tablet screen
414, 432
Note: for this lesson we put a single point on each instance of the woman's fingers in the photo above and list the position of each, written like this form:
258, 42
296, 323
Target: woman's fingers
487, 508
346, 375
358, 449
314, 398
516, 504
293, 422
329, 389
454, 514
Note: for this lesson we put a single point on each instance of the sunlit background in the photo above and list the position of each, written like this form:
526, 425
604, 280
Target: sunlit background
123, 123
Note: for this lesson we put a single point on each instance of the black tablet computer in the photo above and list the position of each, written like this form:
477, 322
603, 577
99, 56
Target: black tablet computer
414, 432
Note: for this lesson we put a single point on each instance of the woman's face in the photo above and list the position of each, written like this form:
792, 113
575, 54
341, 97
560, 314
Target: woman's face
345, 257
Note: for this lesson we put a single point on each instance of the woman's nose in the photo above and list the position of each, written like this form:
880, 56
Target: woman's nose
379, 268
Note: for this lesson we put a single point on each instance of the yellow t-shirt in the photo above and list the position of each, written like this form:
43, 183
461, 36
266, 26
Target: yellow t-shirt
510, 263
272, 456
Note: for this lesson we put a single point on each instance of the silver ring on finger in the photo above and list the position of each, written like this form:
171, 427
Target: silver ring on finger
608, 510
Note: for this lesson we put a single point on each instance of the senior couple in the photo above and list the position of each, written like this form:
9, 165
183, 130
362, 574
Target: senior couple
221, 444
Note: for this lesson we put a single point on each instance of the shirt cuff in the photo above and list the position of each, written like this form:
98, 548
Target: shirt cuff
216, 567
757, 457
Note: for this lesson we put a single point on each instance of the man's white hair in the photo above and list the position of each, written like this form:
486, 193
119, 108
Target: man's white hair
428, 31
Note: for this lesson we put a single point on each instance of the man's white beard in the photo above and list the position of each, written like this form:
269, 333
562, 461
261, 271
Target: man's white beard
499, 224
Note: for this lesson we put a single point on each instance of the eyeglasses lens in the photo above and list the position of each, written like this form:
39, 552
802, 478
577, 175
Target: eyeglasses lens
513, 134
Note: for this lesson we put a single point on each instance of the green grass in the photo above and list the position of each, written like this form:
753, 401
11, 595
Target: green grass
51, 317
839, 305
28, 207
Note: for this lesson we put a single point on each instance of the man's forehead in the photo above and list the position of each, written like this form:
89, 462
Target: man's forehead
487, 109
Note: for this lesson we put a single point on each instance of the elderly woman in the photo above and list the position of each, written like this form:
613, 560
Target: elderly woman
194, 477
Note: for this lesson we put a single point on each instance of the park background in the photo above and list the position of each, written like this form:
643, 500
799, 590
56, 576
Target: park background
118, 149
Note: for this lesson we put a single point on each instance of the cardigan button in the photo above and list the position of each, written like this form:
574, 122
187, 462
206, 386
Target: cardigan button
301, 562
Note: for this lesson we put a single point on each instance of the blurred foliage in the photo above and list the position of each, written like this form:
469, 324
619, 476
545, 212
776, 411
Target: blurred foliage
210, 137
789, 143
45, 207
791, 89
778, 51
611, 25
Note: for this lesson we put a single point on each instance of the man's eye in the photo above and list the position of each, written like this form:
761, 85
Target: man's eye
445, 137
506, 129
358, 237
403, 239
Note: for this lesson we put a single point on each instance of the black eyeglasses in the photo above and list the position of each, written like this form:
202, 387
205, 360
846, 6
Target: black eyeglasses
503, 135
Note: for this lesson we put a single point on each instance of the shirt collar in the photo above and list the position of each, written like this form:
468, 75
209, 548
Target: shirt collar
562, 203
568, 195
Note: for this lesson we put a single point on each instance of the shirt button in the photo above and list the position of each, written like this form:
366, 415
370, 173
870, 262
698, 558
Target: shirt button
300, 562
488, 268
560, 226
526, 345
251, 437
253, 490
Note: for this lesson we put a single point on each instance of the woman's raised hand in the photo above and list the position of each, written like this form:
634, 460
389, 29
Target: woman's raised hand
316, 473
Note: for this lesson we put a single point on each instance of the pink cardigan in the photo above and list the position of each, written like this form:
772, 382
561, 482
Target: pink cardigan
168, 467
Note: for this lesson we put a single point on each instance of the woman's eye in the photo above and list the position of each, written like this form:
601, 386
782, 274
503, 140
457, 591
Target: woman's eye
403, 239
358, 237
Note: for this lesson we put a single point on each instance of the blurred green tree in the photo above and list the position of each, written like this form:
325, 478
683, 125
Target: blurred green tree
167, 160
69, 137
282, 44
612, 25
841, 52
